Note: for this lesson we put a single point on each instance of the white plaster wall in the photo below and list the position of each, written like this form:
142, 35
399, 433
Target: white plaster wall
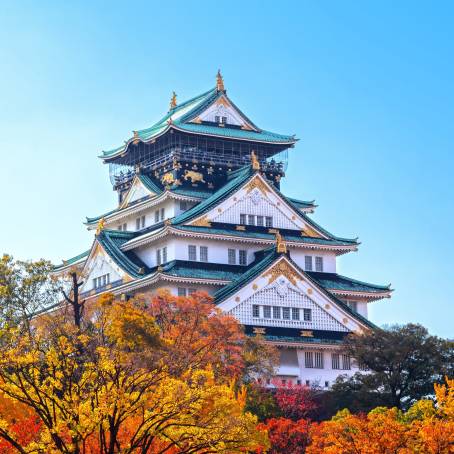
329, 259
292, 367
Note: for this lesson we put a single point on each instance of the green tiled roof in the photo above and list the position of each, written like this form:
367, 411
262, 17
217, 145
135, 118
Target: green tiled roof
72, 260
335, 281
200, 270
151, 184
263, 234
300, 203
111, 241
180, 117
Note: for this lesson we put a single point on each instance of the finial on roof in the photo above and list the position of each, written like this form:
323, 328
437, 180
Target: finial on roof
101, 225
173, 101
254, 161
219, 81
280, 244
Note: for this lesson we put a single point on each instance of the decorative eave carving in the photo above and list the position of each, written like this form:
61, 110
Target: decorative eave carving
202, 222
282, 268
258, 183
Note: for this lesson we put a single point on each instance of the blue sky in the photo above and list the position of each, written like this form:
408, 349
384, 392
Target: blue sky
367, 87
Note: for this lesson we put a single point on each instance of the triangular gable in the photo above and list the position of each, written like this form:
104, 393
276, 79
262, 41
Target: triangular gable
258, 197
223, 107
282, 284
100, 263
137, 191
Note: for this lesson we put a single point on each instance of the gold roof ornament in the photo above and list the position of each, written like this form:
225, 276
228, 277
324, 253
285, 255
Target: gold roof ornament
254, 161
173, 101
219, 81
101, 225
280, 244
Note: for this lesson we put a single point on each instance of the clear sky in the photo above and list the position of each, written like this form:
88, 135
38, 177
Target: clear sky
368, 87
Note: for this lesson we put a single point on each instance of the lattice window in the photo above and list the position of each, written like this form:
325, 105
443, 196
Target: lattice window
309, 360
232, 256
308, 263
346, 363
335, 361
319, 264
318, 360
256, 205
242, 256
297, 302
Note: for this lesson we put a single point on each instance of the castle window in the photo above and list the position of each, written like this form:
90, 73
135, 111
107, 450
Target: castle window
243, 219
183, 205
260, 221
276, 312
255, 310
203, 254
353, 305
346, 363
101, 281
181, 291
232, 256
319, 264
191, 291
140, 223
308, 263
295, 313
286, 313
224, 120
251, 219
308, 383
242, 257
326, 384
268, 221
158, 257
192, 252
216, 119
156, 216
266, 312
164, 254
335, 361
163, 211
307, 315
363, 367
123, 227
309, 360
318, 363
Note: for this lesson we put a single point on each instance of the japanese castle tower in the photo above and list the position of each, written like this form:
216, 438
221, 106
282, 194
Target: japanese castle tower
199, 208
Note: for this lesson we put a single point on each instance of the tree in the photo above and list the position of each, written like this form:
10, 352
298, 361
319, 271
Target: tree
425, 428
287, 436
26, 287
107, 384
403, 363
197, 334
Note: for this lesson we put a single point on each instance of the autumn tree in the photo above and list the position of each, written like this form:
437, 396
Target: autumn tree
110, 384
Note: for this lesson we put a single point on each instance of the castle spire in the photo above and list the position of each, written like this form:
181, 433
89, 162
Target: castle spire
219, 81
280, 244
173, 101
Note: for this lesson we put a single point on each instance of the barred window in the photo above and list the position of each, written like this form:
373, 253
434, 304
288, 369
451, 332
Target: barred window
251, 219
266, 311
164, 254
276, 312
138, 224
346, 363
319, 264
203, 253
243, 219
268, 221
335, 361
158, 257
255, 310
101, 281
260, 221
318, 356
232, 256
307, 315
308, 263
353, 305
183, 205
295, 313
163, 211
181, 291
286, 313
156, 216
309, 360
242, 257
192, 252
